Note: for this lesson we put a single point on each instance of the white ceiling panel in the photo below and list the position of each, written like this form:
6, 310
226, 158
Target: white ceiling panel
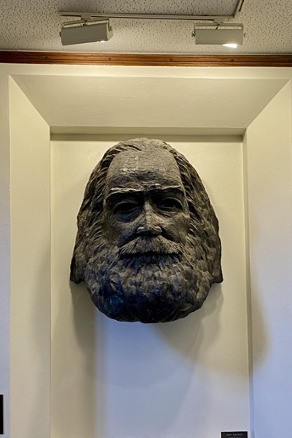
35, 25
148, 102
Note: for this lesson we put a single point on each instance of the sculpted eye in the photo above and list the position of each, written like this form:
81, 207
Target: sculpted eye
170, 204
125, 207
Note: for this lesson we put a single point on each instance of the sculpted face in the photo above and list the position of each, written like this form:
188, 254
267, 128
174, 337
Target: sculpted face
147, 246
144, 199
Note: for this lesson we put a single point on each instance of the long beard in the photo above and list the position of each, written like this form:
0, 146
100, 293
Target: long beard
148, 279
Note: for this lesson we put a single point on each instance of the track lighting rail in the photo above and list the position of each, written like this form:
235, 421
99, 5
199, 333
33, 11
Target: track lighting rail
173, 17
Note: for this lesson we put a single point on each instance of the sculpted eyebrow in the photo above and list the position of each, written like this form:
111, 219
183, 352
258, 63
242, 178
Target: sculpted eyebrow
172, 190
118, 194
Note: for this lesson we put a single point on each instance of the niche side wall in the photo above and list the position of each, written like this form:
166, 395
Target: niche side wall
268, 151
4, 251
30, 269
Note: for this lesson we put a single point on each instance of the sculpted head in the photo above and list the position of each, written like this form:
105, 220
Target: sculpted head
147, 245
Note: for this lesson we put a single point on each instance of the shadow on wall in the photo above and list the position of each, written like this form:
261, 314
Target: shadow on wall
185, 336
188, 336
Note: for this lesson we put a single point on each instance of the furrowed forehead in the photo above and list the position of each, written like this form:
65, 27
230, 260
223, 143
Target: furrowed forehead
137, 168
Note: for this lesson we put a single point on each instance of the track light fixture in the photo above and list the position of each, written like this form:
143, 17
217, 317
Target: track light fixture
209, 29
226, 34
85, 30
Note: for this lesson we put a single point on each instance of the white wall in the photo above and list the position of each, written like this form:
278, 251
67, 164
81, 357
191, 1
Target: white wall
180, 379
30, 269
4, 251
272, 389
269, 176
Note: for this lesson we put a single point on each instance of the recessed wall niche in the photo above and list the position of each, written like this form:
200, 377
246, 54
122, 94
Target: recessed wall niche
98, 371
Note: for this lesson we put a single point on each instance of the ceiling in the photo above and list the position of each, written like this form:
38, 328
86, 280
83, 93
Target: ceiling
34, 26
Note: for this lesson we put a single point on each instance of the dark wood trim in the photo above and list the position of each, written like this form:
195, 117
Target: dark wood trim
20, 57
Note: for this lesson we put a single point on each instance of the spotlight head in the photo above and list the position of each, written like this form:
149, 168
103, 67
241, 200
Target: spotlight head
227, 35
85, 31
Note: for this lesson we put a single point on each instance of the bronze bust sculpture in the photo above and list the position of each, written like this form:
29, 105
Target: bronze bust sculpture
147, 246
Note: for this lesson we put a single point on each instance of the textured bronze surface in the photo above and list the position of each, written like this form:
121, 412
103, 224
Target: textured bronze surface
147, 245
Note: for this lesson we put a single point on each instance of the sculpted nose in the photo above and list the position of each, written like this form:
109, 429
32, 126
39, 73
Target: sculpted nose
149, 223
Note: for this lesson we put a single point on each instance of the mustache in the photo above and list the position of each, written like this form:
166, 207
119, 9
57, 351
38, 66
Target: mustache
150, 245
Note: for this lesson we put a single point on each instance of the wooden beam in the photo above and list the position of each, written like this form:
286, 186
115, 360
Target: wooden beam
131, 59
